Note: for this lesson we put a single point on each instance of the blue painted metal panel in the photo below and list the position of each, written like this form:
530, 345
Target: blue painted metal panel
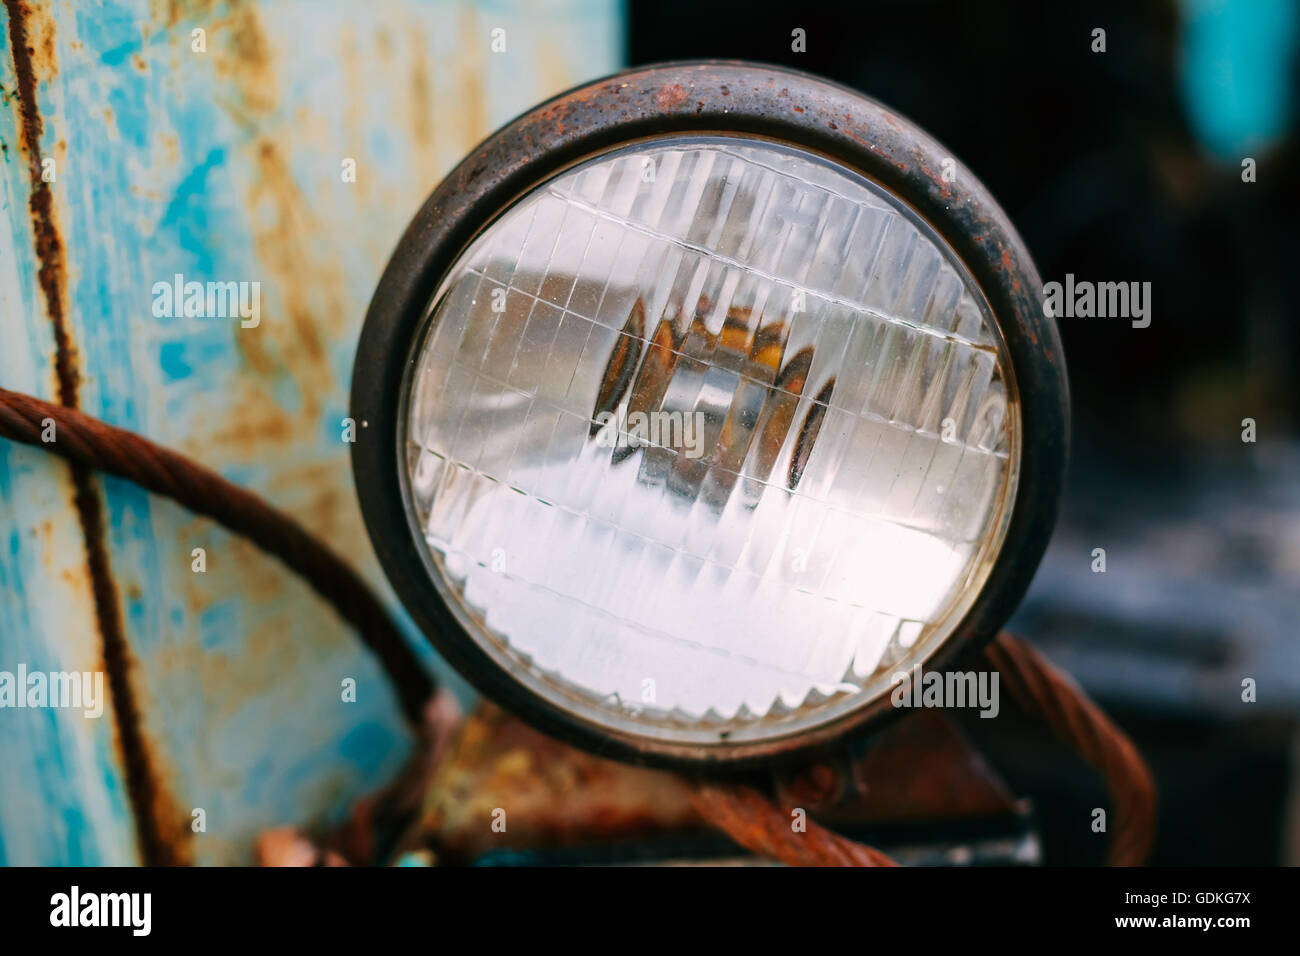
223, 164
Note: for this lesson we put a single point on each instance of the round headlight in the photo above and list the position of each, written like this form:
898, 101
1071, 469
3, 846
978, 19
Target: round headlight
701, 401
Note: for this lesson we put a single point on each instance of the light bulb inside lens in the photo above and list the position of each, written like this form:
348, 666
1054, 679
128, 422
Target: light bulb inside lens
707, 438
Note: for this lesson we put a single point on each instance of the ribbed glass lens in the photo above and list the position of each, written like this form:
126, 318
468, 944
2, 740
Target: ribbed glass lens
707, 437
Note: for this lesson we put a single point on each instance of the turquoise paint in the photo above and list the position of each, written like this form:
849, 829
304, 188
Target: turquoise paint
171, 360
1238, 63
365, 744
197, 171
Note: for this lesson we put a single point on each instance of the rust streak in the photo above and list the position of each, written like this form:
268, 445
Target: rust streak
149, 802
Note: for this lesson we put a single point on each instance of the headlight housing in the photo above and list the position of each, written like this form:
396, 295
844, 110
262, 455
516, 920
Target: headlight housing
701, 400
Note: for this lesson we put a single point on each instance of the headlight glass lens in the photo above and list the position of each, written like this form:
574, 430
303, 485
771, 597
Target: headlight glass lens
707, 437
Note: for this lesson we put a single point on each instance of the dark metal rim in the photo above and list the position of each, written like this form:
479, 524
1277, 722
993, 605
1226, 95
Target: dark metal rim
732, 97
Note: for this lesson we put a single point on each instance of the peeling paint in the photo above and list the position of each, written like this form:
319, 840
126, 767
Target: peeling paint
32, 48
225, 166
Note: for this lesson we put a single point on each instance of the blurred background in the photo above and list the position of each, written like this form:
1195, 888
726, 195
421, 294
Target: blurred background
1122, 165
1127, 166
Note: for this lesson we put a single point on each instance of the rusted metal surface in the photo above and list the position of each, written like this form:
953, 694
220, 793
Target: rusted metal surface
548, 795
160, 833
91, 444
923, 768
223, 165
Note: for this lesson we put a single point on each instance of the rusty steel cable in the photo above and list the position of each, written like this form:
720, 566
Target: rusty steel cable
1044, 694
753, 821
748, 817
88, 441
1047, 694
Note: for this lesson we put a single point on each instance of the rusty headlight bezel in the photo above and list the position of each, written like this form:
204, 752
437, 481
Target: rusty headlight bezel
681, 98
